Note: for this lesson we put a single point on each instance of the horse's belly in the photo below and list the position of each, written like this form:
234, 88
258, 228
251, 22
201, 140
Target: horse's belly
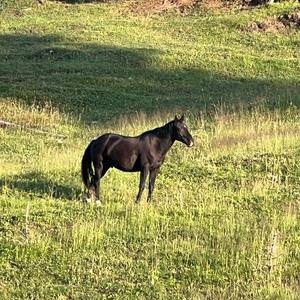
123, 154
128, 168
127, 164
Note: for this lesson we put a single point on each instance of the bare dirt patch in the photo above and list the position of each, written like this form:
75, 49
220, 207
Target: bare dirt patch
283, 23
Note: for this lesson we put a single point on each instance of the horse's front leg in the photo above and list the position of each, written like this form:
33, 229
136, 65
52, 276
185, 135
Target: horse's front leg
152, 177
143, 177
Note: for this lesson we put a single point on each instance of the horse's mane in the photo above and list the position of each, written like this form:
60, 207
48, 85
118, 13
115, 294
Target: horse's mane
162, 131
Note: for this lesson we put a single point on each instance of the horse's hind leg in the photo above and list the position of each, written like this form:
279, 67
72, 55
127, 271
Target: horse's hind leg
98, 175
90, 194
100, 170
91, 191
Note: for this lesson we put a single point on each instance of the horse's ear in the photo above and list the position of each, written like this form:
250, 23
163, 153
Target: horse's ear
176, 118
182, 118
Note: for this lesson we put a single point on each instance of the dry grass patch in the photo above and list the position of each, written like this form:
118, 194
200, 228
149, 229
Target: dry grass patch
181, 6
158, 6
35, 116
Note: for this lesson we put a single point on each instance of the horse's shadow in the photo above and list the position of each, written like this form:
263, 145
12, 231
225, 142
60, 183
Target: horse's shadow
39, 184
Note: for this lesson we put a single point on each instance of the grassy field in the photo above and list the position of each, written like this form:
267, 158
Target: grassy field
225, 220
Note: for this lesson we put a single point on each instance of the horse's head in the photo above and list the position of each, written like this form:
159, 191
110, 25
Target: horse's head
181, 132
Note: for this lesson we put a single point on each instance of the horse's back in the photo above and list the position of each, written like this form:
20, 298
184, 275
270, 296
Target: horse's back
121, 152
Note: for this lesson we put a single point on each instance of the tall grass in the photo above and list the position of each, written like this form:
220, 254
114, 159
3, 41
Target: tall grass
223, 224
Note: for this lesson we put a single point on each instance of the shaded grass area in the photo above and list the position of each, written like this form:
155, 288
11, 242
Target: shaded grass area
38, 185
107, 64
100, 82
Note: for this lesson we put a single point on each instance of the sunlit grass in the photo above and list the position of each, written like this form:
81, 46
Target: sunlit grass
218, 210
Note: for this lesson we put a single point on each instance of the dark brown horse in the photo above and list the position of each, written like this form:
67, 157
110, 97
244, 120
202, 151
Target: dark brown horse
144, 153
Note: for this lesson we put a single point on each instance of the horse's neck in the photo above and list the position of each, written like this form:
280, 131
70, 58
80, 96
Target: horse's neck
166, 145
166, 141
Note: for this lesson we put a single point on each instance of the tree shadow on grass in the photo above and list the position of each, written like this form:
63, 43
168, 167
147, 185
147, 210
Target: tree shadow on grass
39, 184
98, 82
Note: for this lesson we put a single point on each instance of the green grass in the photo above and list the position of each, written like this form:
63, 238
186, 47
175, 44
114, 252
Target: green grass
225, 220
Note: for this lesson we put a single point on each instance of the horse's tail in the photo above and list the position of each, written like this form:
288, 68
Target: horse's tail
86, 166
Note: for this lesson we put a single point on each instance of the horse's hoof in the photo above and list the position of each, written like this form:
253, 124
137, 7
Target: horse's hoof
86, 199
98, 203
